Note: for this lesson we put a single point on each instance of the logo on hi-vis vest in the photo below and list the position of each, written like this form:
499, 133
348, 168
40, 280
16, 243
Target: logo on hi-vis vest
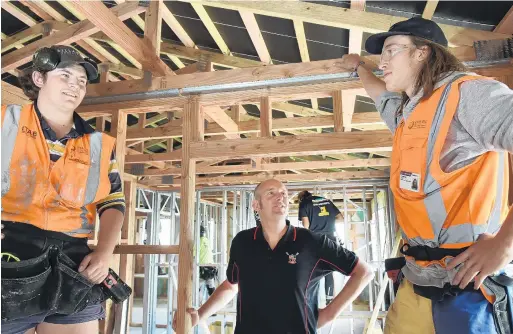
292, 258
28, 132
79, 154
417, 124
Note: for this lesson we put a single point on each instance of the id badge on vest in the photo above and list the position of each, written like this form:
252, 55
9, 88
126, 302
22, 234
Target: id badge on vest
409, 181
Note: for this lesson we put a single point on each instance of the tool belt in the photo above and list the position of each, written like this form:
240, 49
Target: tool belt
500, 285
49, 283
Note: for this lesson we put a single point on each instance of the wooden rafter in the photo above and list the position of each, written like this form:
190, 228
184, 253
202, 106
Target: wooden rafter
303, 49
506, 24
256, 36
211, 27
141, 50
68, 35
71, 8
177, 28
346, 19
430, 9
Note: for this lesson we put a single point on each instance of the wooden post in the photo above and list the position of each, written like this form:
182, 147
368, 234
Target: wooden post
126, 269
266, 117
193, 130
118, 130
337, 111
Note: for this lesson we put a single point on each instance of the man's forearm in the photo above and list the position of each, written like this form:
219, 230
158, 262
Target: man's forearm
354, 286
221, 296
111, 222
372, 84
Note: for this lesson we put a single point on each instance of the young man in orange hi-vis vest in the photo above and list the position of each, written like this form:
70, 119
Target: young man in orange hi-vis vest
449, 176
58, 173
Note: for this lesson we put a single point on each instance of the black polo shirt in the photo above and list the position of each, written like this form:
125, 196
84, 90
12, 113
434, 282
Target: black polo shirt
321, 213
278, 288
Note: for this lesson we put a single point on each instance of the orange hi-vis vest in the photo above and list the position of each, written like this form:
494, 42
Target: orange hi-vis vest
436, 208
58, 196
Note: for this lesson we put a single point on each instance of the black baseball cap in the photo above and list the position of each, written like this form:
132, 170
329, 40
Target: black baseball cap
415, 26
62, 56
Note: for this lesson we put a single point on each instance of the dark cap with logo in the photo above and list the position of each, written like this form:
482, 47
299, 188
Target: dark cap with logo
416, 26
62, 56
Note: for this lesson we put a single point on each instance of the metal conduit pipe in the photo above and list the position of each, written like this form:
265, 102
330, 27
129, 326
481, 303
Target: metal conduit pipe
273, 83
379, 182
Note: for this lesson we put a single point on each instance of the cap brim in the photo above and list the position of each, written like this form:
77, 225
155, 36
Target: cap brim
374, 44
91, 71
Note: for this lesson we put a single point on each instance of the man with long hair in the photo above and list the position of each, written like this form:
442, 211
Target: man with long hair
275, 268
58, 173
449, 176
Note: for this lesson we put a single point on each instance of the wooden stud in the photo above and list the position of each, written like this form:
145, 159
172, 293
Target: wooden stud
192, 132
104, 19
236, 111
338, 111
118, 129
266, 117
348, 107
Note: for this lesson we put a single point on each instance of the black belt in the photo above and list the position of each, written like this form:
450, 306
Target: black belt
425, 253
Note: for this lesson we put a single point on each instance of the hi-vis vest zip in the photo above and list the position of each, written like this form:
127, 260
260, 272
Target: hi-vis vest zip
439, 209
58, 196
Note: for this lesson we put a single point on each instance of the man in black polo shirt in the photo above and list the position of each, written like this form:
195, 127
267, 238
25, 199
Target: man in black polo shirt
276, 268
319, 215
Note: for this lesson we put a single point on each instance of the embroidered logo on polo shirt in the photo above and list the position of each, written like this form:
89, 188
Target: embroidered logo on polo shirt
292, 257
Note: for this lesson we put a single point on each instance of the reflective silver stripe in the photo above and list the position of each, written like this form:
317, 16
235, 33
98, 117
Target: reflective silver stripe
436, 211
461, 233
85, 228
433, 201
93, 178
9, 134
495, 217
418, 241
